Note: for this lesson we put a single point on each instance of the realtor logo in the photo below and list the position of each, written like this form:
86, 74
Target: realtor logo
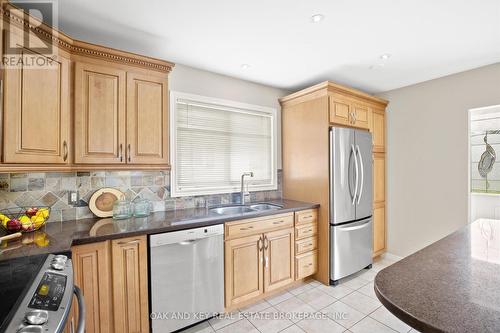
23, 47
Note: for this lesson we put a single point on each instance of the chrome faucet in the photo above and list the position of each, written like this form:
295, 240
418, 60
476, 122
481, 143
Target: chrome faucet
244, 194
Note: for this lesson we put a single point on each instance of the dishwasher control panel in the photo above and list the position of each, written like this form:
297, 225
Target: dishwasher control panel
186, 235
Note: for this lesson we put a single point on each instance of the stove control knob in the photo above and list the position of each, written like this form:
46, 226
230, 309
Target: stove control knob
61, 257
30, 329
36, 317
58, 266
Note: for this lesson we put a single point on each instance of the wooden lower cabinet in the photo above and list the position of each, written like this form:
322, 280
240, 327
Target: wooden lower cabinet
265, 261
130, 285
244, 278
92, 274
379, 232
113, 277
278, 259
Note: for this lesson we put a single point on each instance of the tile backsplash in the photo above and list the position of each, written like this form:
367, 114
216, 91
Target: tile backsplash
52, 189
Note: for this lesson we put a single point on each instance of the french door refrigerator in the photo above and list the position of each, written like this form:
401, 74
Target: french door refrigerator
351, 225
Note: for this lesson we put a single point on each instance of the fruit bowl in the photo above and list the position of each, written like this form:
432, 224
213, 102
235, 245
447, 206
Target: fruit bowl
24, 219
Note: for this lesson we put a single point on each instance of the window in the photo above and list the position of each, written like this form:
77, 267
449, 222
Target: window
214, 141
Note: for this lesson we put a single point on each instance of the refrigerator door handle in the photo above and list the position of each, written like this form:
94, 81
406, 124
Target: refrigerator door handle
362, 174
357, 175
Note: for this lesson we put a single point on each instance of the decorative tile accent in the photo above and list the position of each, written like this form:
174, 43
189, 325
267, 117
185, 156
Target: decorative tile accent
51, 189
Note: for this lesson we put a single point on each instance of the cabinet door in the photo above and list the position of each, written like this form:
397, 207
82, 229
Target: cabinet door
278, 259
361, 116
378, 177
378, 130
99, 114
243, 269
378, 229
130, 285
36, 110
147, 119
92, 273
340, 111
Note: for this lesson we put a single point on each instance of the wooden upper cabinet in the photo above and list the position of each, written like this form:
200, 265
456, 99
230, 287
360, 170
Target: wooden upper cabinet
36, 110
340, 111
243, 269
361, 114
278, 259
130, 285
378, 177
147, 119
99, 114
92, 274
378, 130
347, 112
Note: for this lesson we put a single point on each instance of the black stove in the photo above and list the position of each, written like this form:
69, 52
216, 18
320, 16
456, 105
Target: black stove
16, 277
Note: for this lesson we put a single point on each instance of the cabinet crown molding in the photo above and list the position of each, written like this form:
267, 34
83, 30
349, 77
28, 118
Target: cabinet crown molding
18, 17
328, 87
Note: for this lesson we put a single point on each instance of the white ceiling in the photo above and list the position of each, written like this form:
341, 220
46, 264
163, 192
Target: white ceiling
426, 38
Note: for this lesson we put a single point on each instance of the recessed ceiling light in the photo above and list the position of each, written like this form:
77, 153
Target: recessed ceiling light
385, 56
245, 66
317, 18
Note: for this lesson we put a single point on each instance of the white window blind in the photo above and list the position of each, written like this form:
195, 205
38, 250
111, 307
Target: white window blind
215, 141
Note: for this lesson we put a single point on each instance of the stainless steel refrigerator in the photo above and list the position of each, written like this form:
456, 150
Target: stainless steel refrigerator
351, 225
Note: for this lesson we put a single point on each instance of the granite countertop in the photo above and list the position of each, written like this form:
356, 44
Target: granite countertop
452, 285
57, 237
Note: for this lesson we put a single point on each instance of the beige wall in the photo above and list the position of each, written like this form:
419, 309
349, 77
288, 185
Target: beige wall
427, 155
195, 81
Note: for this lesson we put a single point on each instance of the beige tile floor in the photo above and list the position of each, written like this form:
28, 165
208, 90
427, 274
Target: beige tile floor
315, 308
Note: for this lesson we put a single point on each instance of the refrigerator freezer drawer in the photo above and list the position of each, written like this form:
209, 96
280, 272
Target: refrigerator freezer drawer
351, 248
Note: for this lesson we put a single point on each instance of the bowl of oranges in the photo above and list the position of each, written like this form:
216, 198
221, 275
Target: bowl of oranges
24, 219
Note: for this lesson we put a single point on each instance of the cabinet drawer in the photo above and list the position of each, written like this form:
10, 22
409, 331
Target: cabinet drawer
305, 265
306, 216
306, 230
258, 225
306, 245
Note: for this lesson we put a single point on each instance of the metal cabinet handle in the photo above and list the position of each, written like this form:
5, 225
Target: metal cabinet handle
121, 152
308, 217
129, 159
259, 244
247, 228
278, 222
135, 241
266, 242
65, 148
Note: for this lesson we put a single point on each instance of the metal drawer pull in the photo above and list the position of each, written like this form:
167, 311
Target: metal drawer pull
308, 217
246, 228
308, 230
310, 244
129, 242
310, 264
65, 147
266, 243
278, 222
260, 244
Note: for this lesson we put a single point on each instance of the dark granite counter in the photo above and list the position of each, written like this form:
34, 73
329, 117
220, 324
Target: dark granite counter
452, 285
57, 237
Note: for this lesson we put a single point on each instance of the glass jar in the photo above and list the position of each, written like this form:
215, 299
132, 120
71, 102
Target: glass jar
122, 209
142, 207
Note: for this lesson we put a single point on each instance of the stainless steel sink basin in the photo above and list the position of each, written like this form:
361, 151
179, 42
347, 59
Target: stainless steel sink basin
239, 209
265, 206
229, 210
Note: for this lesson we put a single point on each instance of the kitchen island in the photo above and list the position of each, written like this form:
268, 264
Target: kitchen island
452, 285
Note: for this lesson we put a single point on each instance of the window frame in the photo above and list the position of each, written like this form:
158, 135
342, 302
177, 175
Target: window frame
224, 103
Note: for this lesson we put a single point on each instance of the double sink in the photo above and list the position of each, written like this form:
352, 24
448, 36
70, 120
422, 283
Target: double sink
242, 209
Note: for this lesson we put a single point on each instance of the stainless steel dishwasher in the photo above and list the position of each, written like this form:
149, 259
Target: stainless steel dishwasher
187, 277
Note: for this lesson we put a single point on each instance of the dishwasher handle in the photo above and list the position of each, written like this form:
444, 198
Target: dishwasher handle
186, 237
